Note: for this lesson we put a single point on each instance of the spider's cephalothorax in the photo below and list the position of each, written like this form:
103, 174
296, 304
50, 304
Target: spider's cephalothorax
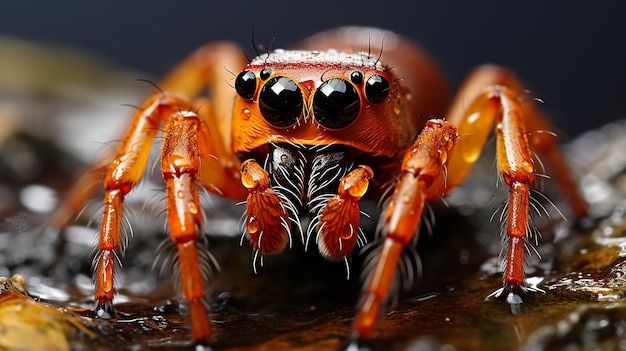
319, 98
310, 120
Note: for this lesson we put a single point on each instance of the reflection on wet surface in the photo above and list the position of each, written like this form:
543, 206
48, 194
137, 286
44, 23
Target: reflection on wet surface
298, 301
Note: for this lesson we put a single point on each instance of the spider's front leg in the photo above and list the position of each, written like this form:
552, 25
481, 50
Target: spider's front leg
423, 164
125, 171
188, 140
493, 95
180, 164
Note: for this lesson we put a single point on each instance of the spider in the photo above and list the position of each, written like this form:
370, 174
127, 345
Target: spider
301, 134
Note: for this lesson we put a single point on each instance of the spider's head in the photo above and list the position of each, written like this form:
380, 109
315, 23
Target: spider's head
318, 98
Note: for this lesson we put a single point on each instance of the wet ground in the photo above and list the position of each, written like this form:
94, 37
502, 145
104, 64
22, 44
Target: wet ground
298, 301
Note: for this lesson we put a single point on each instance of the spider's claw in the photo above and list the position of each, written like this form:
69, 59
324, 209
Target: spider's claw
512, 294
104, 310
355, 344
495, 295
203, 347
515, 301
512, 297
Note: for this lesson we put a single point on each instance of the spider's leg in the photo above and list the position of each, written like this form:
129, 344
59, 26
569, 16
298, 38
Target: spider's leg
422, 165
124, 172
180, 166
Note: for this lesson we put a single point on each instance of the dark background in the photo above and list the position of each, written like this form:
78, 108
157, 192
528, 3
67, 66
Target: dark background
572, 54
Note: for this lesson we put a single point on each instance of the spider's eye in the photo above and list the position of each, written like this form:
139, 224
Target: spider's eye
377, 89
245, 84
280, 101
356, 77
336, 103
265, 73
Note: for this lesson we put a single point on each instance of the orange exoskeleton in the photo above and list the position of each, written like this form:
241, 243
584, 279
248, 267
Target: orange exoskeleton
300, 133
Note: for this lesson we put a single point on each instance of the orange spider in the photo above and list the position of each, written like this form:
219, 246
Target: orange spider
305, 131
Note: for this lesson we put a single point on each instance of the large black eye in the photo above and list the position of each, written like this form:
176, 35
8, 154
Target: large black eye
336, 103
376, 89
280, 101
245, 84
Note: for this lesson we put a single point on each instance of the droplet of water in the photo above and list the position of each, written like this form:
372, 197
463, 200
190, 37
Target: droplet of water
397, 108
245, 114
193, 209
252, 225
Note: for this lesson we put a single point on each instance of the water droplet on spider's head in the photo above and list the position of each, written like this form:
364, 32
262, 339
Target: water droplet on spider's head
397, 108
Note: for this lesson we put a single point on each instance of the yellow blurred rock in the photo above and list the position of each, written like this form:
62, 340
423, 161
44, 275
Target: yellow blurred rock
26, 324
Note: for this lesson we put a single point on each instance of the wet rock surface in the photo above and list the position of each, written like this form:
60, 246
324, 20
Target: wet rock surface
298, 301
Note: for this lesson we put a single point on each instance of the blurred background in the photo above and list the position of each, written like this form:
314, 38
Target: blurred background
570, 53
